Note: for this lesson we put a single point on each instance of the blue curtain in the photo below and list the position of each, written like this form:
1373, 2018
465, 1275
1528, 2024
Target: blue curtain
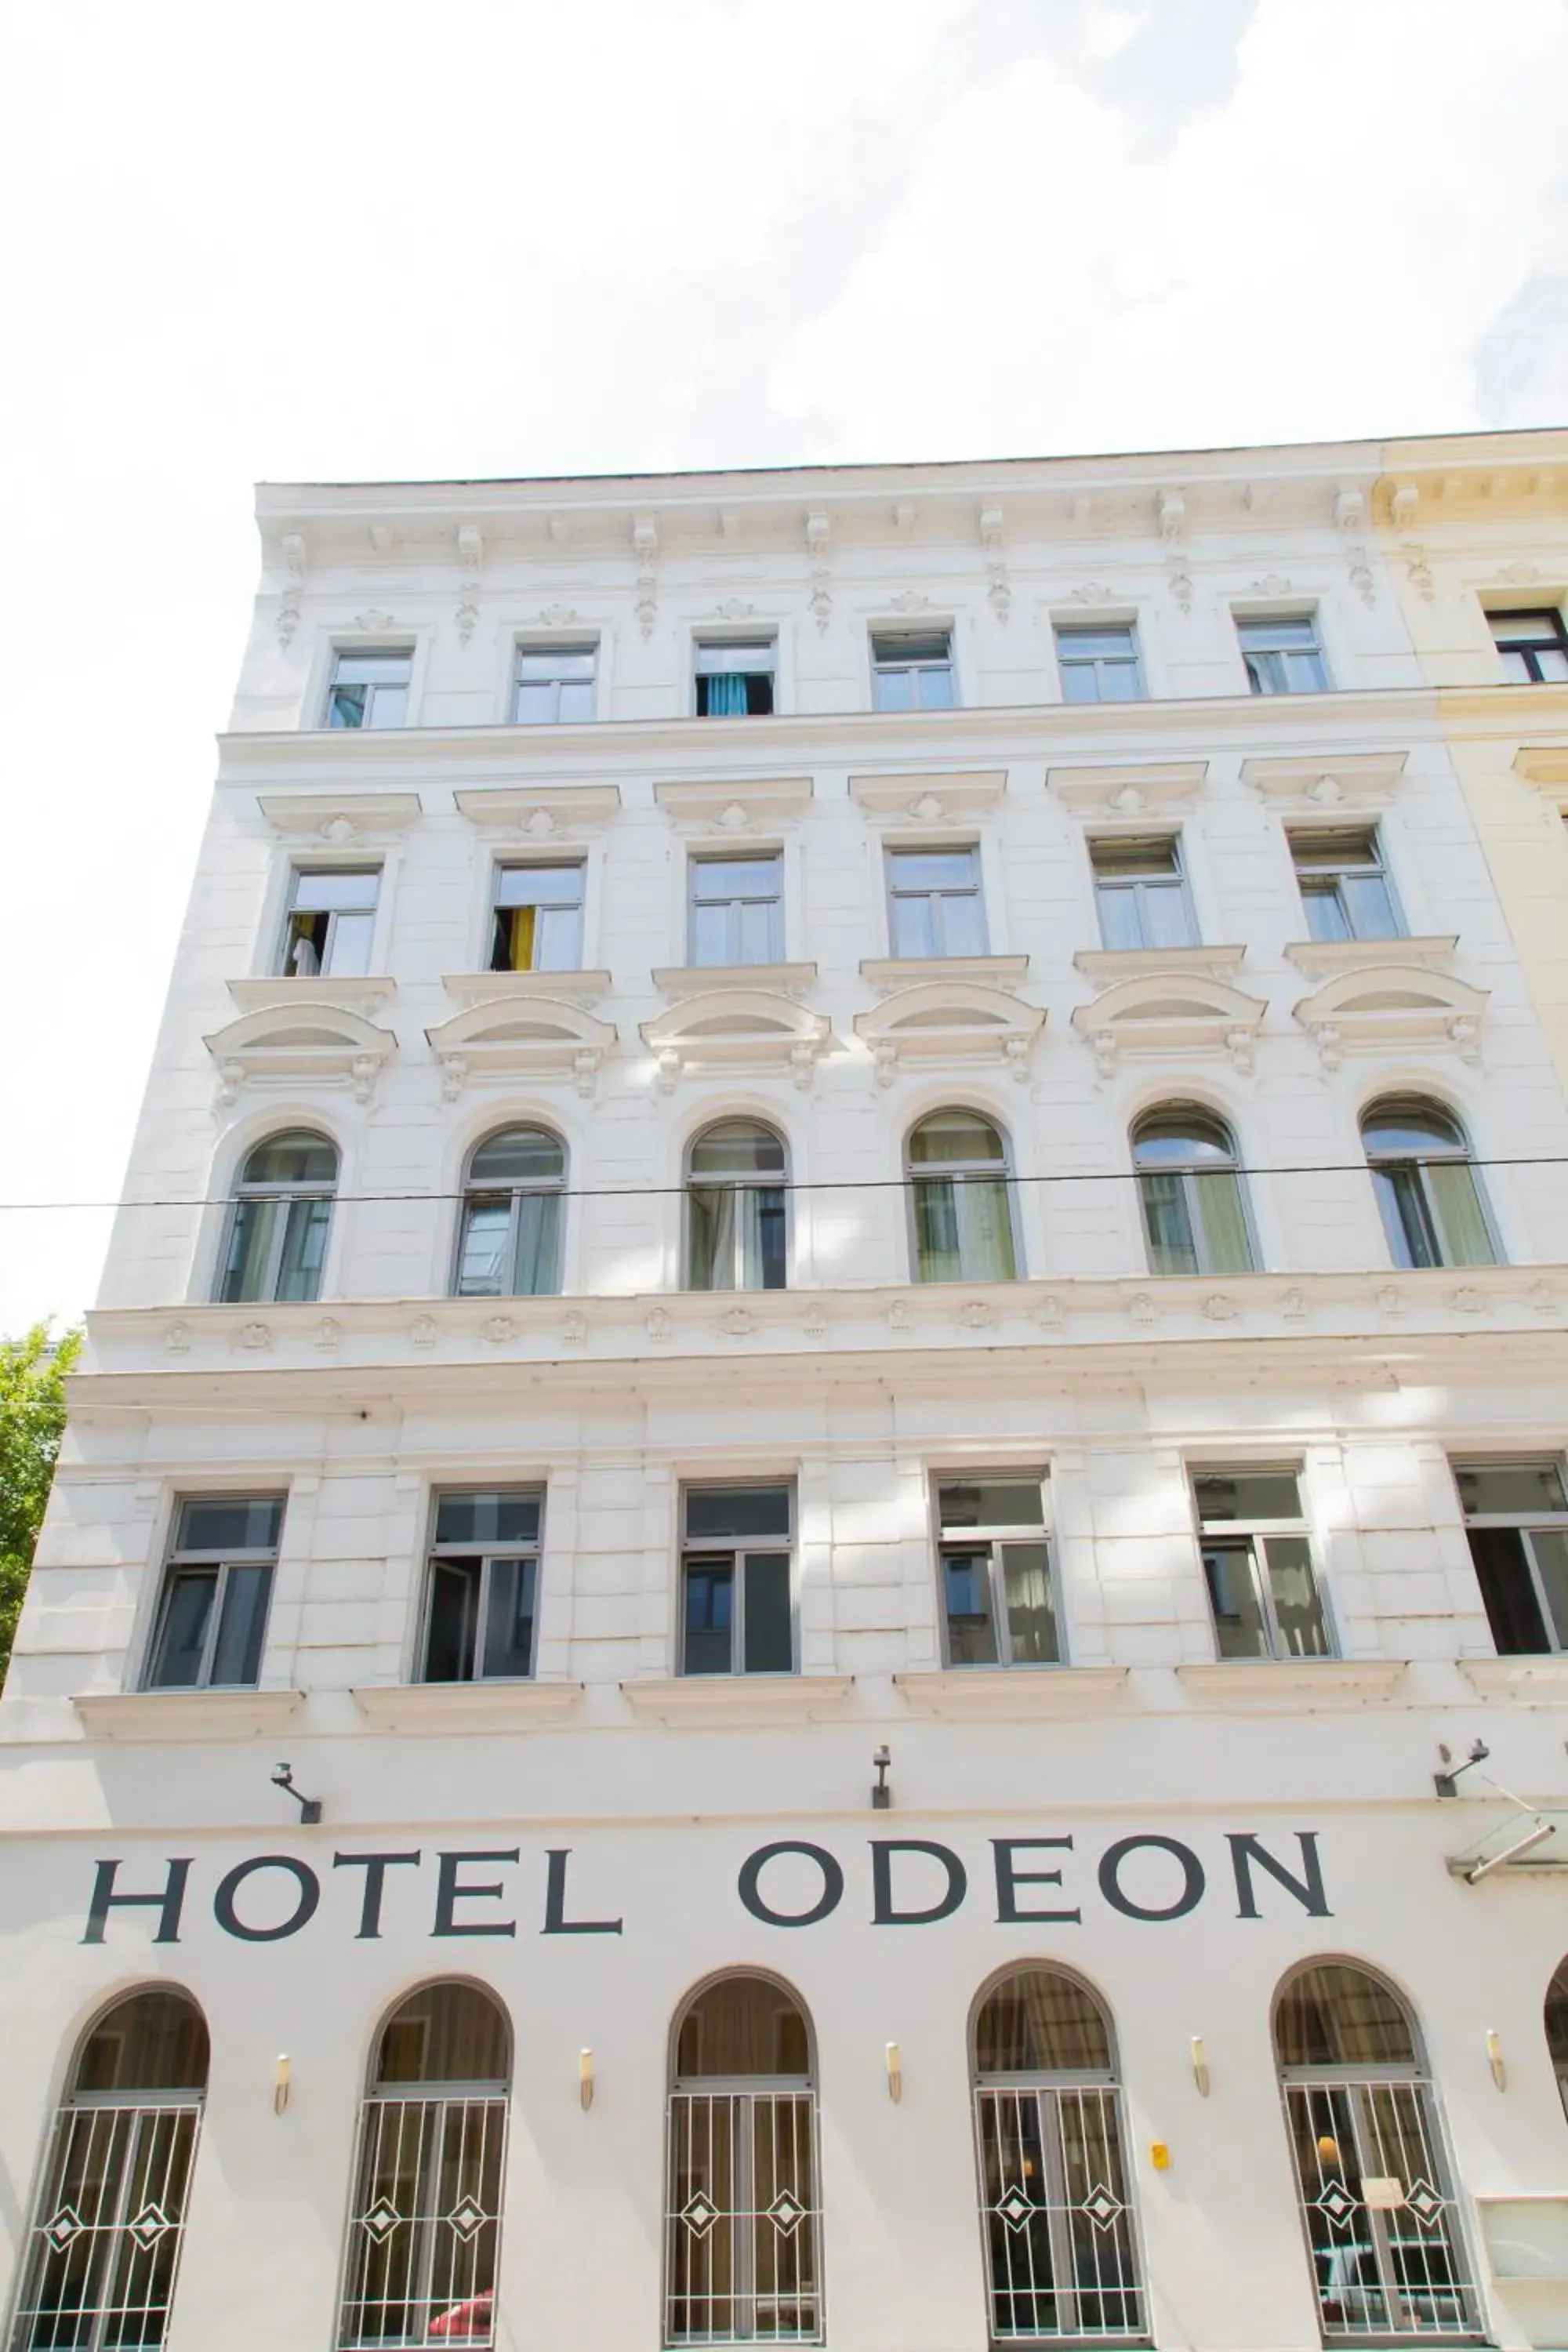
727, 697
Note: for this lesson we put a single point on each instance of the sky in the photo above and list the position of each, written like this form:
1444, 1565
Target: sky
322, 240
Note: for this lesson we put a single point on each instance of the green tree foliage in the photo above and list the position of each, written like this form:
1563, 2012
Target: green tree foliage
32, 1414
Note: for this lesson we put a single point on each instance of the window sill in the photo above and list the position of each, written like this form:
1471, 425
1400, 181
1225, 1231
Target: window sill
493, 987
702, 980
185, 1715
1323, 958
362, 992
1011, 1694
904, 971
465, 1706
739, 1698
1103, 964
1329, 1680
1545, 1677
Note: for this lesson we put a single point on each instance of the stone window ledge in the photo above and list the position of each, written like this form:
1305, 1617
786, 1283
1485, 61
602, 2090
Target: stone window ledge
739, 1698
1544, 1678
1011, 1694
185, 1715
1333, 1681
446, 1708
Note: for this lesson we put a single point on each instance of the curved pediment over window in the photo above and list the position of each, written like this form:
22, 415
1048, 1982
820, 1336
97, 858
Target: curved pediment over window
1387, 1005
509, 1036
950, 1021
1160, 1013
737, 1028
306, 1040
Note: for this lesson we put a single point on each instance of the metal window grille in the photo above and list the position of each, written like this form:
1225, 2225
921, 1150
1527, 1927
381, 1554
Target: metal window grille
1055, 2212
104, 2252
1383, 2231
743, 2221
424, 2236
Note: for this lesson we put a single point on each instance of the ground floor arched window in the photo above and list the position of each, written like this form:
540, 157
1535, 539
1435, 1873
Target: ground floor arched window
1557, 2027
1055, 2199
1376, 2196
104, 2251
743, 2213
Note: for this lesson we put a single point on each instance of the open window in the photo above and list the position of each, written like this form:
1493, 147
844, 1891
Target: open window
1283, 654
369, 687
538, 917
1516, 1516
1257, 1563
735, 680
481, 1598
217, 1589
999, 1593
330, 921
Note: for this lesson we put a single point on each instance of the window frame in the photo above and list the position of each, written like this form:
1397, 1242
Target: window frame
884, 639
531, 649
1253, 1535
698, 1551
981, 1171
704, 645
746, 1180
1094, 665
1523, 1524
775, 901
1139, 888
1414, 1165
404, 651
470, 1193
1376, 866
1553, 639
291, 1194
934, 897
1190, 1174
577, 864
474, 1637
184, 1559
1298, 616
995, 1542
301, 870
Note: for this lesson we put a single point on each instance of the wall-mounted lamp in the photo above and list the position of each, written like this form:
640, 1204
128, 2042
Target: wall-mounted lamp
1495, 2060
282, 2075
586, 2078
310, 1807
895, 2074
881, 1764
1200, 2065
1446, 1784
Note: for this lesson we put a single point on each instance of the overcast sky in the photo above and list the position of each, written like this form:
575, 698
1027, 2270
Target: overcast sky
322, 239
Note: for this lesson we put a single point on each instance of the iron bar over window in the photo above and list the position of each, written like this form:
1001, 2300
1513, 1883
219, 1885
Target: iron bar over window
482, 1600
1258, 1563
212, 1617
999, 1593
1516, 1516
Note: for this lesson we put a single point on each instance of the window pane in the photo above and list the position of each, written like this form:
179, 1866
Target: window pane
736, 1511
237, 1658
737, 1146
936, 1231
1113, 643
538, 886
486, 1517
986, 1226
1080, 682
1327, 916
1120, 923
734, 877
348, 946
1153, 861
1165, 1219
536, 704
183, 1636
557, 661
226, 1525
449, 1642
327, 890
962, 921
762, 1238
1457, 1213
708, 1593
577, 701
482, 1254
1519, 1488
1119, 682
305, 1247
711, 1237
1549, 1548
1167, 921
508, 1618
893, 689
249, 1247
1513, 1610
770, 1647
710, 936
933, 869
538, 1269
989, 1503
952, 1138
966, 1596
388, 705
1240, 1628
913, 932
1294, 1589
1031, 1610
1370, 908
758, 941
558, 940
934, 688
1225, 1244
727, 660
346, 705
1246, 1495
1411, 1241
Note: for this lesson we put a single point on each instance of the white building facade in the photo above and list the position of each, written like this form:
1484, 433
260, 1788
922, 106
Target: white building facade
842, 1309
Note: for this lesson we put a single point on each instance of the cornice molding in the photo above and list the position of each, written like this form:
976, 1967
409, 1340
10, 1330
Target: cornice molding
361, 818
723, 1701
726, 805
1129, 789
1317, 782
953, 796
204, 1715
539, 815
453, 1709
1011, 1693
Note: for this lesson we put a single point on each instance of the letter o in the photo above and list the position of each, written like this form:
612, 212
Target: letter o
224, 1912
1111, 1863
832, 1885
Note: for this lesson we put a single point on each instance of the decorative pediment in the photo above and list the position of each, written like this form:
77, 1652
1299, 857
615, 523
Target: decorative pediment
1173, 1011
361, 818
1134, 791
751, 804
1380, 1008
540, 813
511, 1036
950, 1021
951, 797
309, 1040
1330, 780
737, 1028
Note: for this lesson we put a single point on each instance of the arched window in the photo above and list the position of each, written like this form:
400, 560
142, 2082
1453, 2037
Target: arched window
510, 1244
735, 1230
1426, 1191
743, 2221
277, 1225
104, 2251
1055, 2199
1194, 1214
424, 2231
962, 1200
1557, 2027
1383, 2228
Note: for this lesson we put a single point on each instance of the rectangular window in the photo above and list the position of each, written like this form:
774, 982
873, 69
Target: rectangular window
1532, 647
330, 919
737, 1585
737, 909
1141, 894
538, 918
1516, 1516
483, 1583
735, 681
1344, 886
1283, 654
1099, 664
998, 1594
912, 670
553, 686
936, 907
369, 689
213, 1615
1258, 1563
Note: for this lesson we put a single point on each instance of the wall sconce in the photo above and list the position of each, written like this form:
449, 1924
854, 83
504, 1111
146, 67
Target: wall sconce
310, 1807
1200, 2065
895, 2074
1495, 2060
586, 2078
282, 2075
882, 1763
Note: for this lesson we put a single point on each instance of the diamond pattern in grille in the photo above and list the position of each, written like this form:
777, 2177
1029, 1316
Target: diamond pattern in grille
1422, 2200
63, 2227
1015, 2208
1335, 2200
148, 2226
699, 2213
787, 2213
467, 2220
1102, 2208
382, 2219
